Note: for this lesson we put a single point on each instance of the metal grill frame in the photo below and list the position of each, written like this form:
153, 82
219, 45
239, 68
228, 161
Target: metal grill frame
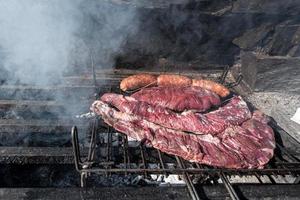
88, 167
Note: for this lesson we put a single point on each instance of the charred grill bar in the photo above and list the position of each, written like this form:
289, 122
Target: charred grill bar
284, 162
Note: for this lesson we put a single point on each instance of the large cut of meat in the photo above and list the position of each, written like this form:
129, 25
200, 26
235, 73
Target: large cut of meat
250, 145
179, 98
233, 113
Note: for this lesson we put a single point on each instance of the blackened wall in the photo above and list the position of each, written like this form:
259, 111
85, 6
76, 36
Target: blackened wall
211, 33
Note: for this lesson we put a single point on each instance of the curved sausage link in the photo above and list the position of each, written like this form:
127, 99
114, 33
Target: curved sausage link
173, 80
137, 81
212, 86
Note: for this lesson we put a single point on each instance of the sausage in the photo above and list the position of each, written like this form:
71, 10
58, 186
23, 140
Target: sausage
212, 86
173, 80
141, 80
137, 81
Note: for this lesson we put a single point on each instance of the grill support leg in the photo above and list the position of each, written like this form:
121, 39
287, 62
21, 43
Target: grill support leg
83, 177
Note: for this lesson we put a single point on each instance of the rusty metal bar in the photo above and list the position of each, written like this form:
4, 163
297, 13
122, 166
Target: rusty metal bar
125, 153
295, 171
126, 149
143, 159
229, 187
192, 190
161, 161
109, 145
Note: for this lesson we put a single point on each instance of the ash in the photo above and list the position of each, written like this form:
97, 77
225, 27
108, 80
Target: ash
11, 114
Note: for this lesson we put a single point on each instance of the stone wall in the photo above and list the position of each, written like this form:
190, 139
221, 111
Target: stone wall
211, 33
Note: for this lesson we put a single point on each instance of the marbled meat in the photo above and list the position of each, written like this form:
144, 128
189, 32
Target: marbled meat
250, 145
179, 98
234, 112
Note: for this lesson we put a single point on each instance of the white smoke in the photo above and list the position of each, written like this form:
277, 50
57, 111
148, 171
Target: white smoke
41, 39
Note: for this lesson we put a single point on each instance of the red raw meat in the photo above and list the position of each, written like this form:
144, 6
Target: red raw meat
179, 98
233, 113
250, 145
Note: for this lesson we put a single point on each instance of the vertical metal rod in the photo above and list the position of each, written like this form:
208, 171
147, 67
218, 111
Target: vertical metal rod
83, 177
192, 190
93, 140
161, 161
124, 153
229, 187
109, 144
198, 166
224, 74
108, 150
257, 177
76, 149
143, 159
271, 179
126, 149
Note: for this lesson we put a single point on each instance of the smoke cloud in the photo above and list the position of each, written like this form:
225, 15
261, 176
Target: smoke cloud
42, 40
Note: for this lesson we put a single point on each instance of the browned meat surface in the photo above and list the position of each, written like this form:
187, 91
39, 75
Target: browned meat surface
179, 98
173, 80
212, 86
137, 81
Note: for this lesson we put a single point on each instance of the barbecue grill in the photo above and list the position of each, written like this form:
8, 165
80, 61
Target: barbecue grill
52, 147
133, 160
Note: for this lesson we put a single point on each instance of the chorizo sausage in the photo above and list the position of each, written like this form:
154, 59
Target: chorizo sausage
173, 80
137, 81
212, 86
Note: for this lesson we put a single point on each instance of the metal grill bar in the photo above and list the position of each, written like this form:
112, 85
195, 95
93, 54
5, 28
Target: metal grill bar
258, 178
229, 187
279, 171
109, 145
143, 159
224, 74
93, 140
125, 153
192, 190
162, 164
76, 149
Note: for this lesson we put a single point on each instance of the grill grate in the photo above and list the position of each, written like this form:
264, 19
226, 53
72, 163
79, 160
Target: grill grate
283, 163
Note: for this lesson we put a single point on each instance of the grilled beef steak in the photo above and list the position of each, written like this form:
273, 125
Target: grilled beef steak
250, 145
179, 98
233, 113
